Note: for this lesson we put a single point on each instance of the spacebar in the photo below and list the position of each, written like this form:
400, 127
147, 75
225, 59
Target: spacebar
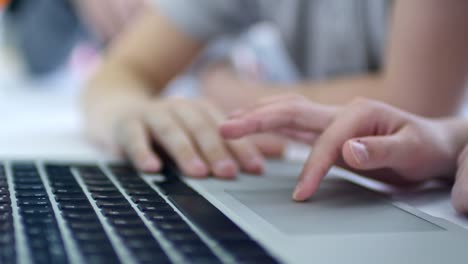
207, 217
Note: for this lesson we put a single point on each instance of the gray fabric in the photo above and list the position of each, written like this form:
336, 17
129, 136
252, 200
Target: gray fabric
325, 38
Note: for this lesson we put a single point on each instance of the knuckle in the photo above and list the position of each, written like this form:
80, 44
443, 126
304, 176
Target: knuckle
198, 127
210, 144
363, 103
164, 129
181, 147
243, 147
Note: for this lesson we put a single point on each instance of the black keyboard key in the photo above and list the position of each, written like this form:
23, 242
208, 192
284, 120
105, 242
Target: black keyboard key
78, 216
136, 185
29, 187
146, 198
5, 199
33, 202
100, 189
177, 237
87, 237
75, 207
140, 192
148, 256
154, 207
126, 222
86, 226
133, 231
112, 212
96, 248
175, 187
137, 243
169, 226
111, 203
75, 198
23, 194
98, 258
66, 191
106, 196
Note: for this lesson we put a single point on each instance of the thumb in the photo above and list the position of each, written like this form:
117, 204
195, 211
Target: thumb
374, 152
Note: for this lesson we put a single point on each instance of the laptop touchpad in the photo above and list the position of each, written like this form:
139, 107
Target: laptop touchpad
339, 207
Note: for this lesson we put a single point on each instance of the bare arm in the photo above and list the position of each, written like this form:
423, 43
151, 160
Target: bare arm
143, 60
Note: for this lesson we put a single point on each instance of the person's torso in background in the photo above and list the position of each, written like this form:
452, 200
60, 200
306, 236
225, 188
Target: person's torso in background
329, 38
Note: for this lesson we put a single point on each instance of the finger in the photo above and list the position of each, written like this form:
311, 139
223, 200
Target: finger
296, 115
134, 140
375, 152
245, 152
265, 101
270, 145
328, 149
460, 191
209, 143
298, 135
460, 187
174, 139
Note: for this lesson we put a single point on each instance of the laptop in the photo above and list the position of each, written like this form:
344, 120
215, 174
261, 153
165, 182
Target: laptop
107, 212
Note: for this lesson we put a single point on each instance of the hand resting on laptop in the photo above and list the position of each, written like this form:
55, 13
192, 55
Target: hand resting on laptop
367, 136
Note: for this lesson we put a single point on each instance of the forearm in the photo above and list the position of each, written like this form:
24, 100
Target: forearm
141, 62
457, 133
407, 95
341, 91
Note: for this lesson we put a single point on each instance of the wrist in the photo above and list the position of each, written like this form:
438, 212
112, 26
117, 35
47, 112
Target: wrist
456, 130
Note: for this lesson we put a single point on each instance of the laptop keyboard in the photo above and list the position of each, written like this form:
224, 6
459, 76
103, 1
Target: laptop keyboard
82, 213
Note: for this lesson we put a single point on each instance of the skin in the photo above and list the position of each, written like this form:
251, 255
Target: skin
107, 18
124, 111
367, 136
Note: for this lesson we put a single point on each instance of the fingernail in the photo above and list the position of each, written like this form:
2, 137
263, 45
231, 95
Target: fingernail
256, 165
225, 168
359, 151
297, 196
197, 168
151, 165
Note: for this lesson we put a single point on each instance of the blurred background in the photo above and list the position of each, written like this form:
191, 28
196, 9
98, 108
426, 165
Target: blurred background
48, 49
48, 41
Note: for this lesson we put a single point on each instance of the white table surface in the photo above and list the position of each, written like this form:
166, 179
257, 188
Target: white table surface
42, 120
